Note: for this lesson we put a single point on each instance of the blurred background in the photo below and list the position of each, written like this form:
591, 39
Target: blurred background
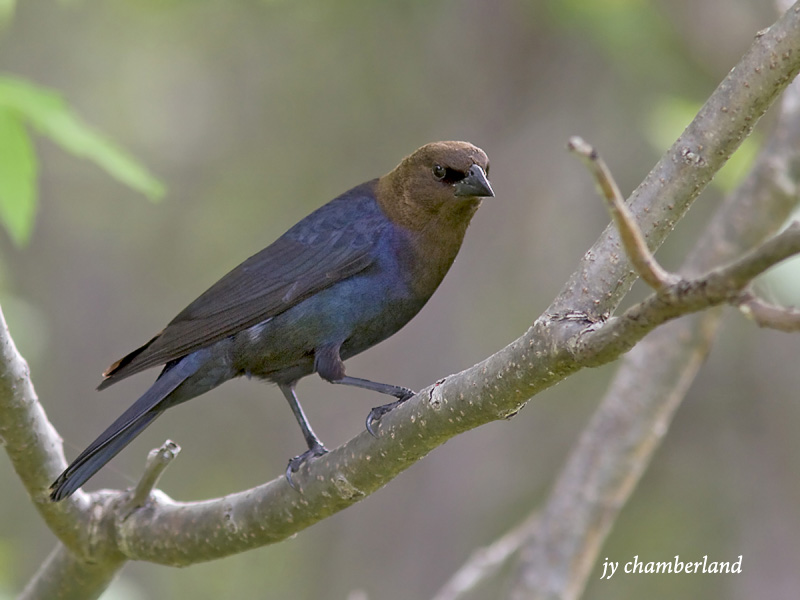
255, 113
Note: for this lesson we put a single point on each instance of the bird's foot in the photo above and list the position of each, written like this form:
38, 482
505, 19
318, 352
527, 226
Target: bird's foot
376, 413
295, 463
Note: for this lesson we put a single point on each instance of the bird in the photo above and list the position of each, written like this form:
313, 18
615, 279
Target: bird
344, 278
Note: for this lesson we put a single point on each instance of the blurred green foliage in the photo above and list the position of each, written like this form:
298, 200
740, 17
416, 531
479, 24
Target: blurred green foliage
17, 177
616, 26
8, 564
21, 104
6, 11
670, 115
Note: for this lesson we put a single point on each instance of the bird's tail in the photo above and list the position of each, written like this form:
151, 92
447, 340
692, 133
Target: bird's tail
102, 450
122, 431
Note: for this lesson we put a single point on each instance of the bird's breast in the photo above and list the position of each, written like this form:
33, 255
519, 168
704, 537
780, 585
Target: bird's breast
426, 256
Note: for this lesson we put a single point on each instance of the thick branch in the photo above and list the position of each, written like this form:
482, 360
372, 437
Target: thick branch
725, 120
64, 575
636, 412
33, 444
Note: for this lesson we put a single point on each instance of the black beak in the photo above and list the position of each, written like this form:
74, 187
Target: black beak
474, 184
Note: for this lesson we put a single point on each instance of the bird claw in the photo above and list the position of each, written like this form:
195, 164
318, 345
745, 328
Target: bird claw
376, 413
296, 462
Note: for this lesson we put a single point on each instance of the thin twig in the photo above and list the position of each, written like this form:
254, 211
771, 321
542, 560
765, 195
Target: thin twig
485, 562
157, 461
643, 261
769, 315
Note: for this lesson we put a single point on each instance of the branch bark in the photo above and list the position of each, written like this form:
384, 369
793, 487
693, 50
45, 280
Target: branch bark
768, 315
635, 414
99, 528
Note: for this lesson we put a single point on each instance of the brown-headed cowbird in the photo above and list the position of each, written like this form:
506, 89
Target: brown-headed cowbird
346, 277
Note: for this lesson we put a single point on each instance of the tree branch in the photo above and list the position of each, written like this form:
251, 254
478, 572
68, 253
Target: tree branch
65, 575
724, 121
635, 414
33, 444
157, 461
768, 315
485, 562
643, 261
722, 285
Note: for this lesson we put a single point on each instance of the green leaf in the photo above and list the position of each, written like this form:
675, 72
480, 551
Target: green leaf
46, 111
17, 178
6, 10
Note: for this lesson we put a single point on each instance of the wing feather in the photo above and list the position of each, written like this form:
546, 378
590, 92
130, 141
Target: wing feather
327, 246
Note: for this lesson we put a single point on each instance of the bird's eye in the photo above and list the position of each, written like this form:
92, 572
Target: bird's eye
439, 172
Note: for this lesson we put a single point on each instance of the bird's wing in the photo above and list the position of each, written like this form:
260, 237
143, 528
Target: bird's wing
325, 247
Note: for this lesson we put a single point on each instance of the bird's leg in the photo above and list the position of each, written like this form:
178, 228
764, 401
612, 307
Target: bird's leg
315, 447
328, 363
401, 393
